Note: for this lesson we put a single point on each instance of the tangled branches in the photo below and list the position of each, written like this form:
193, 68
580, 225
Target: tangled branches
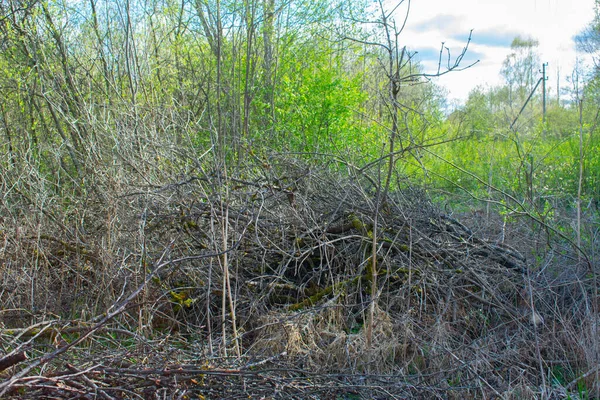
260, 283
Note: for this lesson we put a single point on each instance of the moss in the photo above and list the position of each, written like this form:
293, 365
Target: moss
356, 223
191, 225
359, 225
404, 248
319, 295
368, 274
311, 300
181, 299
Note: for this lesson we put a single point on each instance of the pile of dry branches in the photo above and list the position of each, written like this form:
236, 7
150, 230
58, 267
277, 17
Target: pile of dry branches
259, 284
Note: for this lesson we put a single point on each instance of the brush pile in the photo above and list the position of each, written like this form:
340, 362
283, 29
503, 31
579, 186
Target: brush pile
260, 284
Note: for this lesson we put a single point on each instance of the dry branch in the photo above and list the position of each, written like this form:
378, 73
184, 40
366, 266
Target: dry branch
12, 359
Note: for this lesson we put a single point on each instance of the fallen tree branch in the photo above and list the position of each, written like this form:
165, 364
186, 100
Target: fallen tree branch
12, 359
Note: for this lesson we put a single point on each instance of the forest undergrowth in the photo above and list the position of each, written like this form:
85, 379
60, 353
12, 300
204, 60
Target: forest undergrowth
257, 282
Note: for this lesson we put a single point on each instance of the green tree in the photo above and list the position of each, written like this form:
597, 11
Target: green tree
477, 117
520, 71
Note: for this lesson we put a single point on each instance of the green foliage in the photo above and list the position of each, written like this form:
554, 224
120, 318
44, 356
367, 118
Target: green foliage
281, 80
317, 109
477, 116
494, 161
561, 122
521, 64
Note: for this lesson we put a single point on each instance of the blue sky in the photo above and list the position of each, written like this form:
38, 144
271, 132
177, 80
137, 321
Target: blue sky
495, 23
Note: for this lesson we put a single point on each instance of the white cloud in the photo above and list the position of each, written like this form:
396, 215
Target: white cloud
553, 23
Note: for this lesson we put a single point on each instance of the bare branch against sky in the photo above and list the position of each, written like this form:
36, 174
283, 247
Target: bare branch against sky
554, 23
